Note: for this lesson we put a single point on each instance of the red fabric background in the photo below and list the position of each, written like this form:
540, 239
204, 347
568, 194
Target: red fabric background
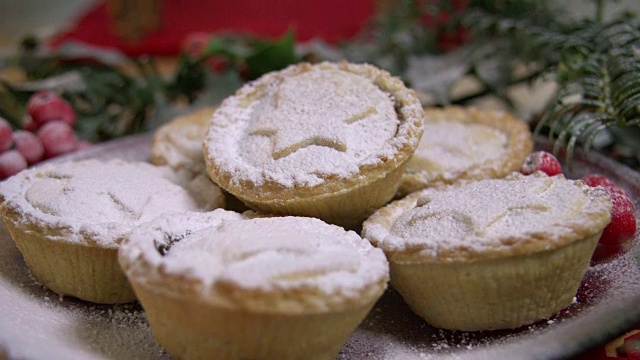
331, 20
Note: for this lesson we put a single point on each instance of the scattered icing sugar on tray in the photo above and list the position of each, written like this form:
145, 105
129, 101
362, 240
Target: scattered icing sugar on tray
38, 324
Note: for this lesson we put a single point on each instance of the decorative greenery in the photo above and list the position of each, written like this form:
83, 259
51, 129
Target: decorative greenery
595, 64
114, 95
431, 44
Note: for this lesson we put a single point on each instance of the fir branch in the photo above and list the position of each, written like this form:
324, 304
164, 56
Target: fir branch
596, 66
600, 88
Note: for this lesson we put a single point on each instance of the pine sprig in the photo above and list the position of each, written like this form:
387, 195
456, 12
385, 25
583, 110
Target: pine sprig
599, 87
595, 64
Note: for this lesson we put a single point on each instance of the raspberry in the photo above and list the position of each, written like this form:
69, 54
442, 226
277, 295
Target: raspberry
57, 138
623, 225
604, 252
11, 163
541, 161
6, 138
594, 180
45, 106
623, 221
29, 145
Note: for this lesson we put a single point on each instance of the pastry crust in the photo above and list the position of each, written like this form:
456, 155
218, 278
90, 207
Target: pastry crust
178, 143
466, 143
491, 254
590, 214
217, 283
344, 190
67, 219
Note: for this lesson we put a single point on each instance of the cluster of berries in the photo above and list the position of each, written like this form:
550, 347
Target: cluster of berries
622, 227
47, 131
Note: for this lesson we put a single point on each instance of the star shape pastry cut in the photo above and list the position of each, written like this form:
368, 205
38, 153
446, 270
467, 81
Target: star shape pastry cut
313, 109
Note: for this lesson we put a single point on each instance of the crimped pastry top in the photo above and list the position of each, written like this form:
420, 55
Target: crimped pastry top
265, 264
91, 201
466, 143
178, 143
488, 219
312, 126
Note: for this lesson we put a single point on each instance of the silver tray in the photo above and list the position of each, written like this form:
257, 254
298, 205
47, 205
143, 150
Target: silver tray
35, 323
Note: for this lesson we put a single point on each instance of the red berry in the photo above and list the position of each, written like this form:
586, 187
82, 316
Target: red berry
45, 106
195, 43
28, 124
450, 39
29, 145
623, 221
57, 138
11, 163
541, 161
604, 252
594, 180
623, 225
6, 138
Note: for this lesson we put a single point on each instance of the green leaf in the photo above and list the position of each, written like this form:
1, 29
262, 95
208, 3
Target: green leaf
270, 56
11, 109
234, 47
189, 79
87, 126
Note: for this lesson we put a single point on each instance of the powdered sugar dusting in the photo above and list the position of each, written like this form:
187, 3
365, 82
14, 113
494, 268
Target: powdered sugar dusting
448, 148
39, 324
100, 199
489, 214
281, 253
261, 253
300, 127
178, 143
331, 108
36, 324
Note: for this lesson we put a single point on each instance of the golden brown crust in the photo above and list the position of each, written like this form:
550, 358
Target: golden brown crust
273, 196
67, 219
194, 315
519, 146
172, 142
145, 266
494, 293
192, 330
468, 275
377, 228
63, 266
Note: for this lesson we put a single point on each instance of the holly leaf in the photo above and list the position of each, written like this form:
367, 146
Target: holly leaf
270, 56
188, 79
233, 47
